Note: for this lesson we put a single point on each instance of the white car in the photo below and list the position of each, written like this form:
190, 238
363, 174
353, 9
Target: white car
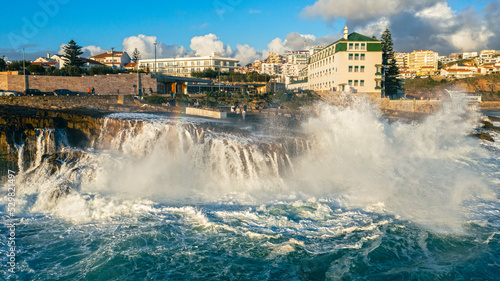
11, 93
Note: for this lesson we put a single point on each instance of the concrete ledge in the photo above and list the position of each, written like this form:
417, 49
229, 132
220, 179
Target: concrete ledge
206, 113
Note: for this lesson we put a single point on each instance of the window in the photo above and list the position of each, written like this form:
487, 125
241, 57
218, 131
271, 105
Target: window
355, 82
350, 68
356, 57
350, 82
350, 56
357, 46
356, 68
363, 46
362, 83
350, 46
362, 68
362, 56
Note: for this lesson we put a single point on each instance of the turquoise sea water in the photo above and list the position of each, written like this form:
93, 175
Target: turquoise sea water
346, 196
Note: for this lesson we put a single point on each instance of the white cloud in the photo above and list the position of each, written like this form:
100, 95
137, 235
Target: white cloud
425, 24
92, 50
369, 10
208, 44
295, 41
145, 45
252, 11
246, 54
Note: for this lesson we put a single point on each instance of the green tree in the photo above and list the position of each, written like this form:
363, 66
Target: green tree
18, 65
36, 69
391, 82
72, 53
136, 56
74, 70
3, 65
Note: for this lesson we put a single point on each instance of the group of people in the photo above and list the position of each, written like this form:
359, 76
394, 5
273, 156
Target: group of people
89, 91
238, 110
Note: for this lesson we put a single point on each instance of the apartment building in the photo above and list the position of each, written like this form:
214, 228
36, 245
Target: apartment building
185, 66
353, 62
402, 60
423, 58
297, 57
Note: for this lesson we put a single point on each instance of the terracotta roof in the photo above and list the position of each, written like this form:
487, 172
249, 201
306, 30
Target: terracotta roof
105, 55
458, 70
131, 64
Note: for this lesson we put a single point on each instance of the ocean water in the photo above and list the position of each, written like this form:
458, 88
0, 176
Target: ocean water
345, 195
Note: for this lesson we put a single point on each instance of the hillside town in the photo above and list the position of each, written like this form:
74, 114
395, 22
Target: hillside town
353, 63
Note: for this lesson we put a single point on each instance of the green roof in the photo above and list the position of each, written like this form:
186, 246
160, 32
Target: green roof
359, 37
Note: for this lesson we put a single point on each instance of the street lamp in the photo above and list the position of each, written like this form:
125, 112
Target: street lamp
113, 58
24, 72
155, 56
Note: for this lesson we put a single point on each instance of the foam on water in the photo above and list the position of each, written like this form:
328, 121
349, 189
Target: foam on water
353, 197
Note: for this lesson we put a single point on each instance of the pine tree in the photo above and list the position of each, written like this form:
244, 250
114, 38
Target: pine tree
391, 83
136, 56
72, 53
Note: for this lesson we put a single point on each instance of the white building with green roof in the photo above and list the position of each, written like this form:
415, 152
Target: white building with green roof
351, 63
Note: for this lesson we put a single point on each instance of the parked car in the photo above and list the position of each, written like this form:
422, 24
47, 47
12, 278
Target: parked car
65, 92
34, 92
10, 93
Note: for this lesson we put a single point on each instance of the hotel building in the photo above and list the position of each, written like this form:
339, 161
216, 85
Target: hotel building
353, 62
184, 66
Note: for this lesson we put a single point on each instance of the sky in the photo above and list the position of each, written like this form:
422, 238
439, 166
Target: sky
246, 30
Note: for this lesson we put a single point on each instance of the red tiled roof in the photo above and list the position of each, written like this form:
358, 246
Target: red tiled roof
105, 55
131, 64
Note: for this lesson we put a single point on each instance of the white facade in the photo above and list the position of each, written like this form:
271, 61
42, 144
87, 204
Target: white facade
354, 61
184, 66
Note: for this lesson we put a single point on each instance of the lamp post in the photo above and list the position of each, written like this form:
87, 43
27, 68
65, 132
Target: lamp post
24, 72
155, 56
113, 58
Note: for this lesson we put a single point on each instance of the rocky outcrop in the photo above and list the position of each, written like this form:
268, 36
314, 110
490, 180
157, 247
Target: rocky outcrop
21, 127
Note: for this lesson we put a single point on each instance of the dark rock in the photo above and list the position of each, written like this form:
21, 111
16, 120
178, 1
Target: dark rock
484, 136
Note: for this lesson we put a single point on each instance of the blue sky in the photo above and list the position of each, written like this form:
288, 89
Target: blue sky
221, 25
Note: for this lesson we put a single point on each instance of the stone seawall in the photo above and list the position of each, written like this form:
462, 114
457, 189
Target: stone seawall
108, 103
416, 106
121, 84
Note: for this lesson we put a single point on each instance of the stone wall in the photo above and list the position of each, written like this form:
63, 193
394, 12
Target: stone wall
206, 113
104, 102
418, 106
121, 84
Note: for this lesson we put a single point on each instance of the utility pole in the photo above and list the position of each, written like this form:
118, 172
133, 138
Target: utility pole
113, 58
155, 56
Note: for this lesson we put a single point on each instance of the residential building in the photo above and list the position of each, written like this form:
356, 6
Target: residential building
423, 58
354, 61
275, 58
131, 66
114, 59
273, 69
468, 55
52, 59
461, 70
297, 57
88, 63
46, 65
185, 66
402, 59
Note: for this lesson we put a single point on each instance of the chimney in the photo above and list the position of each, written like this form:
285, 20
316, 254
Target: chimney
345, 33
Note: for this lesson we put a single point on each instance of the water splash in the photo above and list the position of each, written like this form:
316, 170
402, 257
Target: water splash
423, 172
